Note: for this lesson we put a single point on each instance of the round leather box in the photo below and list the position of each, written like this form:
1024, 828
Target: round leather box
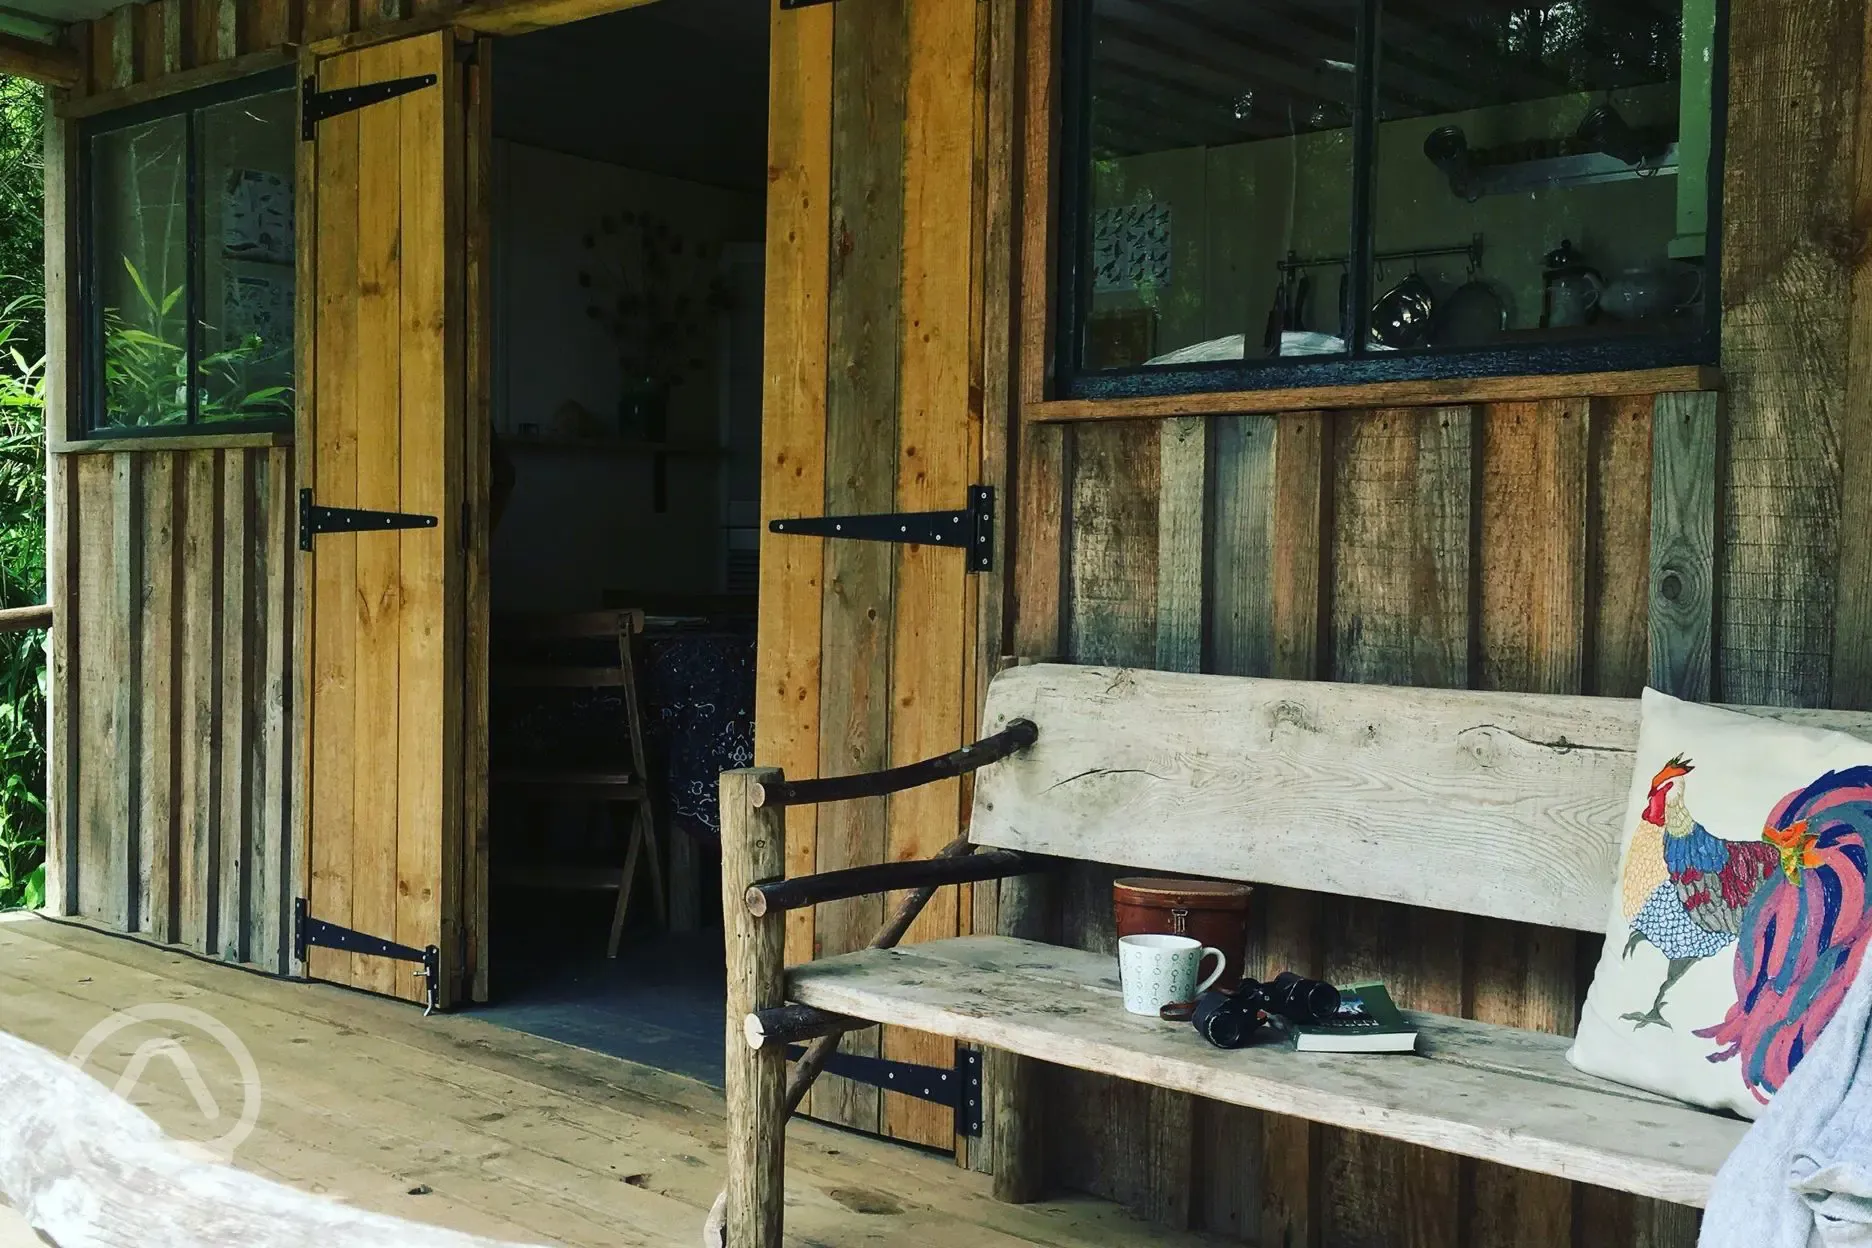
1211, 911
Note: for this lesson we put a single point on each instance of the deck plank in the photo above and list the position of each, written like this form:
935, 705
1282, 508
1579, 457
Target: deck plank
516, 1137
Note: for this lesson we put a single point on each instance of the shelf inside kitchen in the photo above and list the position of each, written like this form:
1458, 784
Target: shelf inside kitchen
609, 445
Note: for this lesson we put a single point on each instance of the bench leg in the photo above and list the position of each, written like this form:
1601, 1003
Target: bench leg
753, 851
1014, 1117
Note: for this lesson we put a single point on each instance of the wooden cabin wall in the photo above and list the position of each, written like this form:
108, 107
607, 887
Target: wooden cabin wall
177, 693
1711, 546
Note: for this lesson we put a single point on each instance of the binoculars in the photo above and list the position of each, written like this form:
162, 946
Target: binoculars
1229, 1020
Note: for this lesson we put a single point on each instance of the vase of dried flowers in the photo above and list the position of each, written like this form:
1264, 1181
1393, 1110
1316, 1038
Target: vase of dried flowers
657, 296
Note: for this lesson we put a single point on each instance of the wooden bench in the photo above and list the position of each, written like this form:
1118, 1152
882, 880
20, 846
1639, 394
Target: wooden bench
1505, 805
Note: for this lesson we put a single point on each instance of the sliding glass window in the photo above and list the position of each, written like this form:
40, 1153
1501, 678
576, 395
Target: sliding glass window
1261, 193
189, 262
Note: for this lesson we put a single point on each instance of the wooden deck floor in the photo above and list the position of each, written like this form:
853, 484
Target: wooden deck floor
501, 1133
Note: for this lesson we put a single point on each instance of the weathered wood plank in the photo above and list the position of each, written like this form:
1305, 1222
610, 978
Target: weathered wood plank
1795, 75
938, 456
1684, 437
1363, 396
271, 887
332, 618
198, 717
1532, 625
104, 865
378, 600
157, 704
159, 39
55, 66
212, 28
863, 394
325, 19
1182, 541
478, 403
428, 466
1065, 1006
235, 678
268, 24
1618, 546
1242, 511
1112, 596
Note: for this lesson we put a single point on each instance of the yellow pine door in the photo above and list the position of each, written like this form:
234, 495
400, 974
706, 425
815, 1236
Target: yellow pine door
383, 428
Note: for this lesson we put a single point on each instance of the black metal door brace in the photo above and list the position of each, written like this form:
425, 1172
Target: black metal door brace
316, 105
971, 528
308, 931
316, 519
960, 1089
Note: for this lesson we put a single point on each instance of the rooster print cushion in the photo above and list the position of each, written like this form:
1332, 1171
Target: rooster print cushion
1740, 914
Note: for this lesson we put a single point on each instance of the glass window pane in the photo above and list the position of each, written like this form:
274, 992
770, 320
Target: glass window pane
1563, 141
246, 151
1220, 180
139, 232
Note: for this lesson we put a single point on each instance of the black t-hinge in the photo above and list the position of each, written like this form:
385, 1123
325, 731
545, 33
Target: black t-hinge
309, 932
316, 519
316, 105
958, 1088
971, 528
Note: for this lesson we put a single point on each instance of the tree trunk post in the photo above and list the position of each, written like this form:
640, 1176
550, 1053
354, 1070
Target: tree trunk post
753, 851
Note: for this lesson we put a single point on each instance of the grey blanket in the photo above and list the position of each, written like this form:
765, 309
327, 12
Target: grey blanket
1802, 1176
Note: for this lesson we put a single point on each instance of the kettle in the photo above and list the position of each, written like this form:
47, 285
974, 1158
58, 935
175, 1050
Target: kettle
1570, 288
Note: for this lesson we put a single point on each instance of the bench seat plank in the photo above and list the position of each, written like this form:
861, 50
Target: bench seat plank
1491, 1092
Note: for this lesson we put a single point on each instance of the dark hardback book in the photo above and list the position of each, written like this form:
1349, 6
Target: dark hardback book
1366, 1022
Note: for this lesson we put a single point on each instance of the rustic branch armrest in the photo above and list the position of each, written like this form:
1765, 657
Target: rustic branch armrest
928, 873
1018, 735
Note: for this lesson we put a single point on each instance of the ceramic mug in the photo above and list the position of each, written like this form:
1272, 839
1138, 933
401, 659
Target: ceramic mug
1159, 970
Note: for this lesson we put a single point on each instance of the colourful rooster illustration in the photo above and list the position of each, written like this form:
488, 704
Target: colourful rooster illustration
1804, 932
1686, 890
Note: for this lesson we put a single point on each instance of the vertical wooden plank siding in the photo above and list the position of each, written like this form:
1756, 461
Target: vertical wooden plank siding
236, 727
271, 636
1532, 539
1683, 542
793, 464
332, 645
478, 296
1183, 473
197, 699
1618, 544
938, 453
861, 437
1796, 69
1241, 625
156, 736
103, 858
381, 424
63, 536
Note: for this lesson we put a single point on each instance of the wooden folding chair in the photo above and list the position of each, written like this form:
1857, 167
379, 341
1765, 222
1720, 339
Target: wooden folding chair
626, 784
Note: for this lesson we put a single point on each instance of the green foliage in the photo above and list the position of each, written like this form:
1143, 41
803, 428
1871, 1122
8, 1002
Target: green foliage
146, 367
22, 583
22, 490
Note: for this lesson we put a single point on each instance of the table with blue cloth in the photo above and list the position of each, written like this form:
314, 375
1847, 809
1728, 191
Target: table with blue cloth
698, 717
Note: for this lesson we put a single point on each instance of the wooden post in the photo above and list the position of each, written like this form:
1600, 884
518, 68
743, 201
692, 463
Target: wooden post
753, 851
1013, 1082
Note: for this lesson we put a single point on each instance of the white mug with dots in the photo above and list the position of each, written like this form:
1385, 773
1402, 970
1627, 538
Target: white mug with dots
1161, 970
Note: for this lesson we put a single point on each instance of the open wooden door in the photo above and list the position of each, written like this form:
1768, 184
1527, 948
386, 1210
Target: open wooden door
870, 654
384, 431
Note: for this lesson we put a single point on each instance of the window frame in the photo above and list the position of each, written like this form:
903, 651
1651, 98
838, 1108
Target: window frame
1071, 293
91, 405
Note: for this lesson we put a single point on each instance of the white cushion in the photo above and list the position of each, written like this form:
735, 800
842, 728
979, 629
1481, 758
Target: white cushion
1744, 875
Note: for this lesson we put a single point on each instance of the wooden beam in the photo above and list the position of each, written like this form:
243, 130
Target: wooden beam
208, 75
519, 17
42, 62
1429, 393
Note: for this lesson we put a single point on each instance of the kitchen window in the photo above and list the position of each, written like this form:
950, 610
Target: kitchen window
1278, 193
187, 244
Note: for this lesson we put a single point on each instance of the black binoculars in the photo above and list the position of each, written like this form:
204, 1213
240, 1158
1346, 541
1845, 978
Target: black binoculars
1229, 1020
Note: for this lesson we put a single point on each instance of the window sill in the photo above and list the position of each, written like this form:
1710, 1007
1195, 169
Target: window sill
1413, 393
174, 442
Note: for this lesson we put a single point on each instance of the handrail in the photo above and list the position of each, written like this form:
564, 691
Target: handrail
813, 890
1017, 736
25, 619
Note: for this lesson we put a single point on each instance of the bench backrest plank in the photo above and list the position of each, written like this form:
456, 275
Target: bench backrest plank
1496, 804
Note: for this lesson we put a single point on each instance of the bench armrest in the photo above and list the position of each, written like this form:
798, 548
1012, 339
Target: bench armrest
811, 890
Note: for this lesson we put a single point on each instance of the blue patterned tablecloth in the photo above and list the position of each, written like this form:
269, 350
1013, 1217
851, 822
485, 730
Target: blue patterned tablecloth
698, 693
